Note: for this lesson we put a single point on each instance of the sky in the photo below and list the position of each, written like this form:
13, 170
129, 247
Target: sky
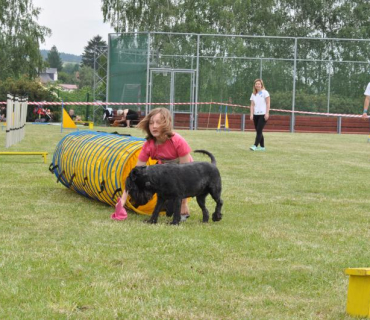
72, 22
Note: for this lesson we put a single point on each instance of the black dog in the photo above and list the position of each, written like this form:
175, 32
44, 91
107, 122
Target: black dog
174, 182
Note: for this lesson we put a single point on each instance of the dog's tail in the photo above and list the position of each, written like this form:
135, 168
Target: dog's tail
213, 159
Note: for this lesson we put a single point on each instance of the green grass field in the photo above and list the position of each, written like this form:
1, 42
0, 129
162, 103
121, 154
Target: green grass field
295, 217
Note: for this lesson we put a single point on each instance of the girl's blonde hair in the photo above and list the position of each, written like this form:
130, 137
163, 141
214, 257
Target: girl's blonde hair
165, 127
254, 85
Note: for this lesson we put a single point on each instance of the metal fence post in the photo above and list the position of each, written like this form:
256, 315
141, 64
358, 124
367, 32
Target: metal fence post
339, 125
292, 118
195, 112
243, 122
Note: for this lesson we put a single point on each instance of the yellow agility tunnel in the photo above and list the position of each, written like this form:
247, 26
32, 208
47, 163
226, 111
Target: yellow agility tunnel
96, 165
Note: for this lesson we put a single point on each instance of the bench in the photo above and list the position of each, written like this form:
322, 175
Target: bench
16, 153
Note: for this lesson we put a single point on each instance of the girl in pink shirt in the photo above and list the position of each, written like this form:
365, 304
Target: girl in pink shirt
163, 145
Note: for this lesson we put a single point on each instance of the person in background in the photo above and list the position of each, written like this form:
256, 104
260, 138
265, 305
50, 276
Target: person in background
164, 145
2, 113
49, 115
366, 102
127, 115
74, 117
260, 109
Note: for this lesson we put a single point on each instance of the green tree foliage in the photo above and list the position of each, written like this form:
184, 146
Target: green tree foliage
20, 36
86, 77
64, 77
71, 68
89, 50
82, 94
26, 87
54, 59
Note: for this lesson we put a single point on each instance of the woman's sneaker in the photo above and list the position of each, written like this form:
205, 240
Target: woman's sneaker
253, 148
261, 149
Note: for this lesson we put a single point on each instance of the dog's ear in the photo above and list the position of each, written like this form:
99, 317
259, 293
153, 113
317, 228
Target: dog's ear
137, 172
134, 174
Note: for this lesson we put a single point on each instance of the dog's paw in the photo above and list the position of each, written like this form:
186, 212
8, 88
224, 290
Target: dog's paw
175, 223
150, 221
216, 217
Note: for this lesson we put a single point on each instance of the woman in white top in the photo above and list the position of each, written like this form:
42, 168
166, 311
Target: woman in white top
366, 102
260, 109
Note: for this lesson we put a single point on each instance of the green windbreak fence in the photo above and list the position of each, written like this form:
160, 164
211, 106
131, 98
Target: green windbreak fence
127, 69
301, 74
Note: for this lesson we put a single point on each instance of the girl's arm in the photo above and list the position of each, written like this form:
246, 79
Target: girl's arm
267, 115
252, 109
125, 194
185, 159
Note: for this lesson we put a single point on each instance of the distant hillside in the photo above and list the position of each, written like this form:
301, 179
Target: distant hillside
66, 57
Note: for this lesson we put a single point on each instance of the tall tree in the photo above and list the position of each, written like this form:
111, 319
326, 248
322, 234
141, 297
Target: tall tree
20, 36
86, 77
88, 55
54, 59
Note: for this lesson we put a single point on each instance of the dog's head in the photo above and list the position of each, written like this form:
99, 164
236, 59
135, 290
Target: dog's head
138, 186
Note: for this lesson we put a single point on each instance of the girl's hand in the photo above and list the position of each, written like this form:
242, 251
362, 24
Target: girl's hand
251, 117
267, 116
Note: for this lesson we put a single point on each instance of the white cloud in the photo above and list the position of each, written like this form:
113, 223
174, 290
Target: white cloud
72, 22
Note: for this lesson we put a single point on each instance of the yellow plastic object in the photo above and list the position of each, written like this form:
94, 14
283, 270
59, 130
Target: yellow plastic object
219, 123
97, 164
67, 121
90, 123
43, 154
226, 122
358, 299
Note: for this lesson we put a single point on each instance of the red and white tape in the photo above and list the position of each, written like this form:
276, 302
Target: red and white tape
44, 103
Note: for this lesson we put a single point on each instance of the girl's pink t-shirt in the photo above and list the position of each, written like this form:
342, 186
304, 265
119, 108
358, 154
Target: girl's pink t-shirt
173, 148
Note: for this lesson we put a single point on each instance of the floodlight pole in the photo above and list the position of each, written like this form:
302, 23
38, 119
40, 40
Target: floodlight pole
260, 68
292, 118
195, 109
147, 76
329, 74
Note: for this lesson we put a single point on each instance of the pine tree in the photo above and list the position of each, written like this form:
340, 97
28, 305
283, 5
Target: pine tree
54, 59
88, 55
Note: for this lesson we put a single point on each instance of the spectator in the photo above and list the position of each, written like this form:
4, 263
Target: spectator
127, 115
74, 117
48, 115
2, 113
260, 110
366, 102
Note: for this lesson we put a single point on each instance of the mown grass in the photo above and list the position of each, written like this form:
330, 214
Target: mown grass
294, 218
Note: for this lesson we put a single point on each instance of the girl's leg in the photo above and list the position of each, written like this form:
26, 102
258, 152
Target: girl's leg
185, 213
255, 122
260, 124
